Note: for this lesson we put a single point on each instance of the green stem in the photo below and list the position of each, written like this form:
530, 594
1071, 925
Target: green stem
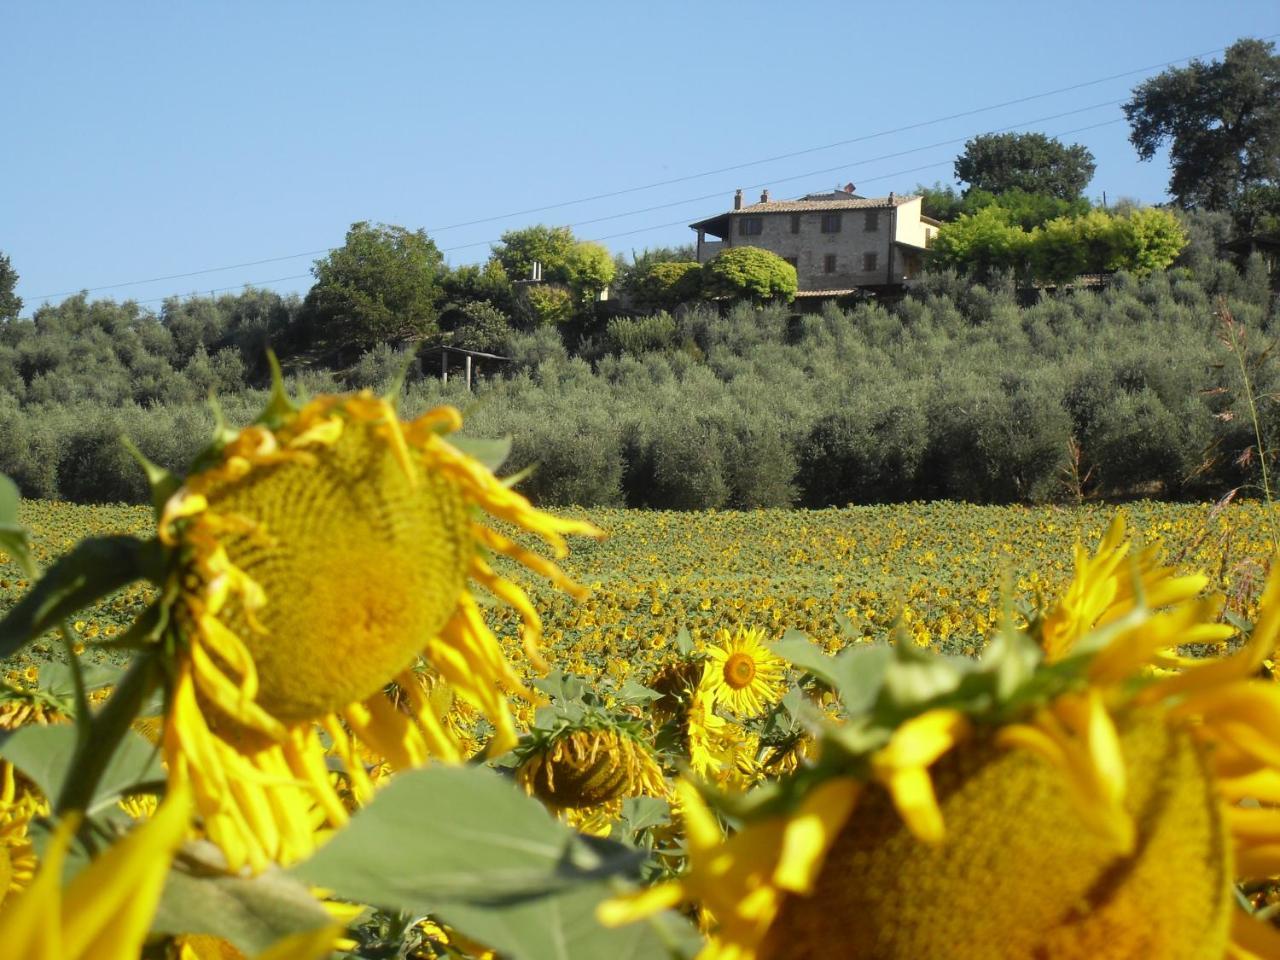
77, 680
105, 731
1238, 349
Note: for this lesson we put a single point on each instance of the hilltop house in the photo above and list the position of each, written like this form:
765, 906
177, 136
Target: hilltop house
838, 242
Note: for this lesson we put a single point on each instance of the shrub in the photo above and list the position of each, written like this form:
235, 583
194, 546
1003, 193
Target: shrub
749, 273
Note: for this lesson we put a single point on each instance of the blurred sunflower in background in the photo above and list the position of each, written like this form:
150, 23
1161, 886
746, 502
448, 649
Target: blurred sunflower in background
318, 554
1059, 797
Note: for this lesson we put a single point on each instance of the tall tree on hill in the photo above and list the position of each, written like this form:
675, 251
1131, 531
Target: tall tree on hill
10, 302
1031, 162
382, 284
1221, 121
550, 246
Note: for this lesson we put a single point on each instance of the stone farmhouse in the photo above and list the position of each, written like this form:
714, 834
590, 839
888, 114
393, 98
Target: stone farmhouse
838, 242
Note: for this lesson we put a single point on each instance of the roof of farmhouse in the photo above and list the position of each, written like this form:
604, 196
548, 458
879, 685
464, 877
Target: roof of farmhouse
815, 203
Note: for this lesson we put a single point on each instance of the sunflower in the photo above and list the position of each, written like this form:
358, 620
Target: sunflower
748, 676
18, 807
583, 770
315, 556
1057, 798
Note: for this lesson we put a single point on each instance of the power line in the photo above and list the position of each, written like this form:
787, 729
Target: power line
650, 227
674, 180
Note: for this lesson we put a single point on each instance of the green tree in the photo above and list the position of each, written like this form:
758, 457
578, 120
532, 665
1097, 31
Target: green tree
483, 327
941, 201
981, 243
546, 304
666, 285
997, 162
381, 284
588, 269
1221, 121
749, 272
1155, 238
10, 302
550, 246
1027, 210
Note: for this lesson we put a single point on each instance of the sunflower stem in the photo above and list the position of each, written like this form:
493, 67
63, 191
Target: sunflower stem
83, 719
105, 731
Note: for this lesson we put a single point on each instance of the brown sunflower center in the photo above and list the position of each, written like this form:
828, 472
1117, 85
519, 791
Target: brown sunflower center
739, 670
360, 567
1019, 874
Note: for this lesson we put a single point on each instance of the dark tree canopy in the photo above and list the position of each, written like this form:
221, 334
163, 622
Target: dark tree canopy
1221, 121
382, 284
1031, 162
10, 302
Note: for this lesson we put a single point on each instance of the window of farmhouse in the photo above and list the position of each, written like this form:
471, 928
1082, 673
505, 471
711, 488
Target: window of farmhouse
795, 223
831, 223
750, 226
869, 261
873, 221
829, 263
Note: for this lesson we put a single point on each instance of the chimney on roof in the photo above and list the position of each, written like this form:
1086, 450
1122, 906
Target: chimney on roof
737, 200
891, 196
848, 188
764, 196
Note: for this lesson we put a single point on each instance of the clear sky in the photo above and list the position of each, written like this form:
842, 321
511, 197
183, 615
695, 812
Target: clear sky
147, 139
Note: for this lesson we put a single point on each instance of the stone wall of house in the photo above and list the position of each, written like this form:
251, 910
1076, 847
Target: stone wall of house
810, 247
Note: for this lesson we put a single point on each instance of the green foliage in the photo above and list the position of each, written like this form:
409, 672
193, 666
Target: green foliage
10, 302
981, 243
751, 273
1221, 121
940, 201
1023, 209
1031, 162
463, 844
546, 305
588, 269
641, 262
665, 285
637, 335
1156, 237
481, 326
474, 284
382, 284
550, 246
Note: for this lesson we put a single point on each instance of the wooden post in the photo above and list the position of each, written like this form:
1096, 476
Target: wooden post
468, 373
444, 364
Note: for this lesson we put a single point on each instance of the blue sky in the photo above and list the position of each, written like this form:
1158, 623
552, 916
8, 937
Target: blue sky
150, 139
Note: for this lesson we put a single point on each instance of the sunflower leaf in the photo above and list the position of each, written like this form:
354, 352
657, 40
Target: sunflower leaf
252, 913
492, 453
45, 753
91, 570
465, 845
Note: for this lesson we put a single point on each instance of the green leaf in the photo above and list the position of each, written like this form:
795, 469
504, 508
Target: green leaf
465, 844
561, 687
491, 453
92, 569
45, 754
857, 674
9, 499
684, 642
251, 912
15, 540
913, 677
638, 813
635, 692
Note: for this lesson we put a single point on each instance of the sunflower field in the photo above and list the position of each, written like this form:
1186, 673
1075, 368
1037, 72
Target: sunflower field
344, 692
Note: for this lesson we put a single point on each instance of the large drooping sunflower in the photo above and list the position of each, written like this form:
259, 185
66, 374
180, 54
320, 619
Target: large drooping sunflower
1058, 798
317, 555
